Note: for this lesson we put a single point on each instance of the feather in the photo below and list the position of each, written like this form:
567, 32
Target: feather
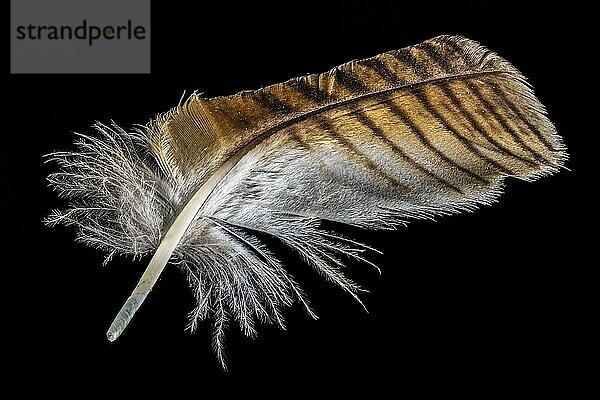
426, 130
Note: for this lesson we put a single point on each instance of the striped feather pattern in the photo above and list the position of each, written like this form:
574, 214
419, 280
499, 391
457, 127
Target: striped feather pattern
426, 130
444, 76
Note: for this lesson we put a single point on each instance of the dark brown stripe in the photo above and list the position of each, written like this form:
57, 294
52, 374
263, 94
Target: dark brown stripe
421, 135
361, 158
380, 134
349, 82
463, 140
503, 123
270, 101
511, 106
382, 70
436, 56
294, 137
477, 126
309, 91
406, 58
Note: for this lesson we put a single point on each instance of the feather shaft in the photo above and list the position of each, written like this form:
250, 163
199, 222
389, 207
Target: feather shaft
167, 246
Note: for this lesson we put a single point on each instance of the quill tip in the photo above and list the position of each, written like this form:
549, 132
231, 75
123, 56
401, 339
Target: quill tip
111, 336
125, 315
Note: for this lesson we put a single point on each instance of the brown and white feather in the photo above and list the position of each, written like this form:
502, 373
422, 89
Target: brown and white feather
426, 130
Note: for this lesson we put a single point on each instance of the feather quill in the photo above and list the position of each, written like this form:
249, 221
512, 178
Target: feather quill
426, 130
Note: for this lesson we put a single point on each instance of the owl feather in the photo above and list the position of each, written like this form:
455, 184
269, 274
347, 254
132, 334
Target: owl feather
427, 130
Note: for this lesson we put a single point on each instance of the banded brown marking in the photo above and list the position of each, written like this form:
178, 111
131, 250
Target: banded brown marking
270, 101
490, 108
424, 140
502, 115
479, 128
407, 59
356, 155
448, 126
434, 54
382, 70
339, 103
398, 151
309, 91
349, 82
297, 139
515, 110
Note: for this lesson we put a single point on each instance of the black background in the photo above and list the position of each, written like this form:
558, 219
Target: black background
481, 303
